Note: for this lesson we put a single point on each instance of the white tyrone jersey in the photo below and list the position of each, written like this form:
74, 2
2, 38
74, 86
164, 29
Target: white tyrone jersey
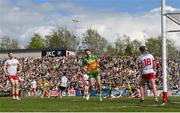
64, 81
12, 65
33, 84
85, 79
147, 63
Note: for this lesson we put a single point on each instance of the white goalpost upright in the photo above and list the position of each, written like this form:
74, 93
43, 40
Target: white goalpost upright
164, 50
173, 16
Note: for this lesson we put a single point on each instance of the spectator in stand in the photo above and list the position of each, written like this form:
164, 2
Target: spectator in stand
117, 70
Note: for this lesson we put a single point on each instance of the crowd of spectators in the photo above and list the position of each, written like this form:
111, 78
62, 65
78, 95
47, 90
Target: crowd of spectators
117, 72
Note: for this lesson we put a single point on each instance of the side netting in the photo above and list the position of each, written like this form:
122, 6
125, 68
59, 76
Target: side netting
174, 17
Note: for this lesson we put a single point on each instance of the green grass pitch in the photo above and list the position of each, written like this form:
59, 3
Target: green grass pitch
78, 104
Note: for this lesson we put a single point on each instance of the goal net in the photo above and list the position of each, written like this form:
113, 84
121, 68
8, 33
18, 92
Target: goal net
175, 18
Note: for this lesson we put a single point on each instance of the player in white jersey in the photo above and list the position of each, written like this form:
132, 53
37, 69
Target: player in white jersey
85, 84
12, 68
146, 65
33, 87
63, 85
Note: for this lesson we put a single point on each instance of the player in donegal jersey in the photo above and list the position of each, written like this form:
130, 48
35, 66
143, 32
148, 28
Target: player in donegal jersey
91, 66
45, 87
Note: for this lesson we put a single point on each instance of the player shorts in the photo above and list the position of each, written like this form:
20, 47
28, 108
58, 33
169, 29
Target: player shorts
34, 89
61, 88
86, 84
45, 88
14, 77
94, 74
148, 76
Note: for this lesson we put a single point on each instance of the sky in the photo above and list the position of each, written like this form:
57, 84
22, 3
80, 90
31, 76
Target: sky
139, 19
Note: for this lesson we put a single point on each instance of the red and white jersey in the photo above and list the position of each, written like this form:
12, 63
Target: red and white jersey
147, 63
64, 81
33, 84
85, 79
12, 66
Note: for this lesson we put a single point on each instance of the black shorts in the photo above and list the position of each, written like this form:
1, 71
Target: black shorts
61, 88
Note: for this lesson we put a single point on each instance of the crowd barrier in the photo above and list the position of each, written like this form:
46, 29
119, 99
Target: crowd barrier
5, 93
106, 92
160, 93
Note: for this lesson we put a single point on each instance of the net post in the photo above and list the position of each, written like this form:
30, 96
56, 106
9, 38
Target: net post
164, 50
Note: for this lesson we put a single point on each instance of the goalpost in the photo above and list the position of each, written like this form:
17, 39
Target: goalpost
164, 50
174, 17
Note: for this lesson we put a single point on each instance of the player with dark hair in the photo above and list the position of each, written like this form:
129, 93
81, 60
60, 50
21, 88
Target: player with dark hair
91, 67
85, 79
12, 68
45, 88
63, 85
146, 65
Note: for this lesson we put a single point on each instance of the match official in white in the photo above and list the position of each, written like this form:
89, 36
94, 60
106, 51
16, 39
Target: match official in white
63, 85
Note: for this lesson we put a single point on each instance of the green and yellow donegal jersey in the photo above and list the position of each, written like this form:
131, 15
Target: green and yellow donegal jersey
91, 63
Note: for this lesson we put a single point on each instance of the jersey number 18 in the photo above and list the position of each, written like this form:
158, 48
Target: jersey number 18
147, 62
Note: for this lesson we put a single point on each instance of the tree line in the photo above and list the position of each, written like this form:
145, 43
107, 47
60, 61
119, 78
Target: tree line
62, 38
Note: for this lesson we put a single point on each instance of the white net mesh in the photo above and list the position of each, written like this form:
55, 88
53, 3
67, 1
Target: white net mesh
174, 16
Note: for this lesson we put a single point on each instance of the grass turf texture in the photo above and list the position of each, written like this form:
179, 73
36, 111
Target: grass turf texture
78, 104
